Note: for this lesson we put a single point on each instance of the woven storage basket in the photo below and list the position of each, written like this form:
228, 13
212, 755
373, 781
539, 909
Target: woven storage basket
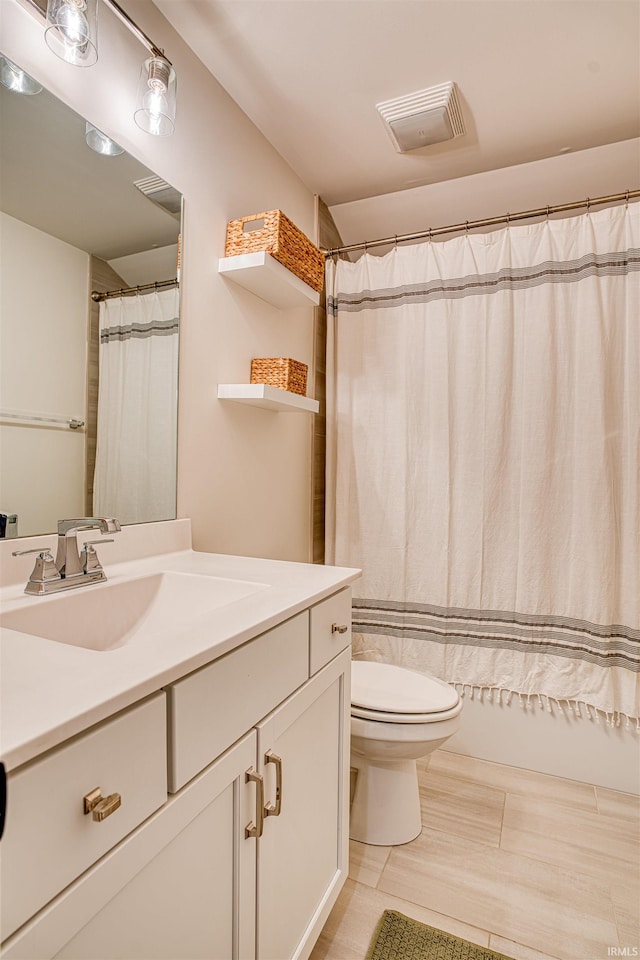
276, 234
281, 372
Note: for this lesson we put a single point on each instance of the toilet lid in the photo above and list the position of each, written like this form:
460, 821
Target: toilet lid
387, 688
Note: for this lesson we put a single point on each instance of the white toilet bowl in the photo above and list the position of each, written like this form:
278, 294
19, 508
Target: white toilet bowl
397, 716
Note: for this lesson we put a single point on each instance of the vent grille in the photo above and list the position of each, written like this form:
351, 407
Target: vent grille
422, 118
161, 192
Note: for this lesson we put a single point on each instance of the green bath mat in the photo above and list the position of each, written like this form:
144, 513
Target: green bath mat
400, 938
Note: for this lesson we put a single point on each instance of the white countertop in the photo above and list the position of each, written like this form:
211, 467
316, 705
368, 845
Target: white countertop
50, 691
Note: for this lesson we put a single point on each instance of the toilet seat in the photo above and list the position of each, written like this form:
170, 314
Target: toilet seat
381, 716
386, 693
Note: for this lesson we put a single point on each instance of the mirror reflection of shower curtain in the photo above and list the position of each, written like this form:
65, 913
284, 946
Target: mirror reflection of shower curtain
135, 475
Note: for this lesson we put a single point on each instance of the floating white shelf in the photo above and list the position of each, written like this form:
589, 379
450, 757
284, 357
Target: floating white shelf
268, 279
271, 398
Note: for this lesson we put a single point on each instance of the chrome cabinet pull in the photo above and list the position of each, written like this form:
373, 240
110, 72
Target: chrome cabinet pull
342, 628
273, 810
255, 829
101, 807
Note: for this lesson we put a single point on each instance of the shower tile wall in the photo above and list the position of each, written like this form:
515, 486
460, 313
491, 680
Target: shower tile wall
327, 236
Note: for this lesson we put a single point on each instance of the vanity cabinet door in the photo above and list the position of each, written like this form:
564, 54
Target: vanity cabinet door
303, 853
183, 885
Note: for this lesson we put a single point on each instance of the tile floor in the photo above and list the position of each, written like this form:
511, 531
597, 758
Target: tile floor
533, 866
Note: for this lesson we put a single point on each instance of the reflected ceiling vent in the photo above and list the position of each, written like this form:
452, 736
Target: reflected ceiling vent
162, 193
422, 118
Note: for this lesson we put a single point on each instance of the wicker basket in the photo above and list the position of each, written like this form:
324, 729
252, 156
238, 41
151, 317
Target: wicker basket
276, 234
281, 372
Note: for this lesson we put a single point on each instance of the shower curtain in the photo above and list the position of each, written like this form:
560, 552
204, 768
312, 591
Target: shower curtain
483, 459
135, 474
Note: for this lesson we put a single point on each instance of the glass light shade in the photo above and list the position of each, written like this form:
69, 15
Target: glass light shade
100, 142
156, 102
72, 30
14, 78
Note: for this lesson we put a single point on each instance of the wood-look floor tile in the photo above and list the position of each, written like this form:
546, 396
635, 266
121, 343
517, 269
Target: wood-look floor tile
515, 780
539, 905
613, 803
353, 920
461, 807
516, 951
366, 862
626, 904
581, 841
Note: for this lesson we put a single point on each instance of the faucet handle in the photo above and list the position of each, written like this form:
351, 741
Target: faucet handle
45, 553
44, 570
90, 560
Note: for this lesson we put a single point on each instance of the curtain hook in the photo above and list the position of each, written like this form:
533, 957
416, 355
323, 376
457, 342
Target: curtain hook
466, 228
626, 198
548, 211
395, 241
430, 232
588, 206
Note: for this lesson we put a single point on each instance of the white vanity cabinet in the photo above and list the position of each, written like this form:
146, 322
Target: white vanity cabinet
303, 852
249, 850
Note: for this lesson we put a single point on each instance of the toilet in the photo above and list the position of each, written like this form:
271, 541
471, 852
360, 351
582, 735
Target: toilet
397, 716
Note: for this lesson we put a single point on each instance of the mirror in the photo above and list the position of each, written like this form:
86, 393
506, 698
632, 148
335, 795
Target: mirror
88, 390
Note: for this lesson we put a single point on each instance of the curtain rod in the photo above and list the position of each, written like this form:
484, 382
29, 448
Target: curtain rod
487, 222
126, 291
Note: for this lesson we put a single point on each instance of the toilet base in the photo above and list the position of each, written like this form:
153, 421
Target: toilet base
385, 810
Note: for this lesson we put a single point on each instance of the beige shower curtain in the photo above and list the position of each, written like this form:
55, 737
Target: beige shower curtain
483, 458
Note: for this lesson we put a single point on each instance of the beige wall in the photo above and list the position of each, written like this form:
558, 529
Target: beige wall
43, 314
244, 474
147, 266
601, 171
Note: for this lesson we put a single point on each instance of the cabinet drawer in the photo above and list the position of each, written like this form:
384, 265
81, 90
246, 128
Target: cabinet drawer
325, 641
48, 838
210, 709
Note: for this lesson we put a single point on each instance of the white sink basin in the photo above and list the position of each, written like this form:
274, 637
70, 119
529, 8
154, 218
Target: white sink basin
110, 615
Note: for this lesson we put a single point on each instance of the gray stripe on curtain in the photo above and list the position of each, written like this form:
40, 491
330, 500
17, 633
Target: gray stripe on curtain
539, 634
572, 271
138, 331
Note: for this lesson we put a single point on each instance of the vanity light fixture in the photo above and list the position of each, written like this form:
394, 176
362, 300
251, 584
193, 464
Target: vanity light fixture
15, 79
100, 142
71, 32
156, 103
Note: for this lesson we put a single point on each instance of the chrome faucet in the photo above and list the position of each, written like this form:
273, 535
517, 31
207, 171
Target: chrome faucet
69, 570
67, 556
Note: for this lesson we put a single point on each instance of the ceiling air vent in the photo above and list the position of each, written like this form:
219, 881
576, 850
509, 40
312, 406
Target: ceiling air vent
422, 118
162, 193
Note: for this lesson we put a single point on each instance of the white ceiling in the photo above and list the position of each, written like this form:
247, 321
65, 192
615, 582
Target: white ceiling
536, 78
95, 205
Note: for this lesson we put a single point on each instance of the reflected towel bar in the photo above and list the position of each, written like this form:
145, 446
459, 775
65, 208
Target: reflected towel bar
17, 416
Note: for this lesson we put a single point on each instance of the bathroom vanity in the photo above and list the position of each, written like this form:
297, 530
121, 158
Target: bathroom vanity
177, 779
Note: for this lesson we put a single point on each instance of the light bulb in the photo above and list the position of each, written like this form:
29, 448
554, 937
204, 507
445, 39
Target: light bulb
157, 107
73, 24
71, 30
